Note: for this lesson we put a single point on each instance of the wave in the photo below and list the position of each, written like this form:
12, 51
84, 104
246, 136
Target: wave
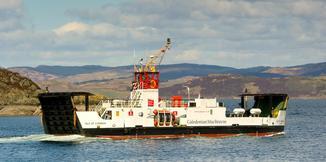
45, 138
79, 138
275, 134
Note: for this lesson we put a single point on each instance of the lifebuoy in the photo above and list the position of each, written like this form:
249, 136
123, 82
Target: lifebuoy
153, 84
130, 113
155, 112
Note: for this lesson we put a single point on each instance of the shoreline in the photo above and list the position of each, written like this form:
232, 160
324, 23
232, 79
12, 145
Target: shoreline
20, 110
25, 110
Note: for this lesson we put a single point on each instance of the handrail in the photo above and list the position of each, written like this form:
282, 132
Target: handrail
174, 103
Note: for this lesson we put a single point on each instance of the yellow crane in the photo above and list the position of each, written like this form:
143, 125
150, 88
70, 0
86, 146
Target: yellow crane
155, 59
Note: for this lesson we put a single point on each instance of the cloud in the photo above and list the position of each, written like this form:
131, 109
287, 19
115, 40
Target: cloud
188, 55
232, 33
10, 4
11, 14
72, 27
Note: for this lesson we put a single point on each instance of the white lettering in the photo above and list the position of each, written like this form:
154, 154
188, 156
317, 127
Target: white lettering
94, 123
206, 121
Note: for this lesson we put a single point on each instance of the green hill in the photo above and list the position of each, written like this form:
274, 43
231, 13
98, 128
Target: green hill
16, 89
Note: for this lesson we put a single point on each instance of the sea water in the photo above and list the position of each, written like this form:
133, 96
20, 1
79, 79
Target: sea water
304, 139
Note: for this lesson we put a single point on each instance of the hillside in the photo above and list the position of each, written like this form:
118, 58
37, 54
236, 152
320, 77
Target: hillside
16, 89
302, 81
229, 86
316, 69
95, 73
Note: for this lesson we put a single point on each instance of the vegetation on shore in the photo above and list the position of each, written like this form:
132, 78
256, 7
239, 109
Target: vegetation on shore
19, 95
17, 90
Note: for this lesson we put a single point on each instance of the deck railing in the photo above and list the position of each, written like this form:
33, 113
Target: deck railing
174, 103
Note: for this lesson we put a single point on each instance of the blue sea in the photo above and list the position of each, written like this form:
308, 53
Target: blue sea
304, 139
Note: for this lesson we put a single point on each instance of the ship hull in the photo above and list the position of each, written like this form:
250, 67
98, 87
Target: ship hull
181, 131
60, 117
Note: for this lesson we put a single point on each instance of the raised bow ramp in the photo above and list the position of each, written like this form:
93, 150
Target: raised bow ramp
59, 112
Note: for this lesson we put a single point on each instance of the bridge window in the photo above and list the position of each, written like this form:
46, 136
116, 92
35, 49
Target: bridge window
192, 104
108, 115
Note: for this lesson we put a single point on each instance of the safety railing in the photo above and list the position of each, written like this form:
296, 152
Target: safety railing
174, 103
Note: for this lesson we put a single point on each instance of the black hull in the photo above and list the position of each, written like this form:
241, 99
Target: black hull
152, 131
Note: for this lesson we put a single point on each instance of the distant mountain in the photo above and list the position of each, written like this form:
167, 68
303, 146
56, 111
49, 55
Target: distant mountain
227, 85
172, 71
33, 74
316, 69
70, 70
175, 71
299, 81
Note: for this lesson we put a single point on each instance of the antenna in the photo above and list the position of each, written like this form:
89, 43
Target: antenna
134, 57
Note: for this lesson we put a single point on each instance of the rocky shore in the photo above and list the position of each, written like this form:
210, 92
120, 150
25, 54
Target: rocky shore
26, 110
19, 110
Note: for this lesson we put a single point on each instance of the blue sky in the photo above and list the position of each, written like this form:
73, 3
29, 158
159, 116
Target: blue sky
106, 32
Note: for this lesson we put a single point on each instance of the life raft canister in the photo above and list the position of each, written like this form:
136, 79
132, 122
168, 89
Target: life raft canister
167, 116
161, 117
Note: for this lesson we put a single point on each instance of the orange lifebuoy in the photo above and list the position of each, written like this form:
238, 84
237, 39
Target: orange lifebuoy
153, 84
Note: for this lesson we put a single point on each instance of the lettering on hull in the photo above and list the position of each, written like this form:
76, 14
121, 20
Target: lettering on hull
94, 123
206, 122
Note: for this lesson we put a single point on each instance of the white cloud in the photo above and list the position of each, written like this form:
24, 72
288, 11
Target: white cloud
308, 8
188, 55
233, 33
10, 4
10, 15
72, 27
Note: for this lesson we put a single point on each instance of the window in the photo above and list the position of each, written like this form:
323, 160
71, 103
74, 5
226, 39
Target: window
108, 115
192, 104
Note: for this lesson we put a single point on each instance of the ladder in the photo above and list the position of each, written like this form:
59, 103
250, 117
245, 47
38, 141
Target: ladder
135, 98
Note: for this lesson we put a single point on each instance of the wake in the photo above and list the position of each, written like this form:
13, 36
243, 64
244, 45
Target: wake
45, 138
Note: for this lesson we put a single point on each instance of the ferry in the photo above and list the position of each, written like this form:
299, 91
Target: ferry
146, 115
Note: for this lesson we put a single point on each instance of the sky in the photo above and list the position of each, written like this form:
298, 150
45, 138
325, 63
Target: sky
236, 33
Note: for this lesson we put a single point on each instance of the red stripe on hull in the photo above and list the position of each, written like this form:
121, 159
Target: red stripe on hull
125, 137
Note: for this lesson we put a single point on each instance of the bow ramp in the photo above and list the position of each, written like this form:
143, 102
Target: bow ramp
59, 112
